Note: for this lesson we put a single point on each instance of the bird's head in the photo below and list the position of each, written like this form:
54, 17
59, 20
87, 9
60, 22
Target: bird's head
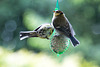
58, 13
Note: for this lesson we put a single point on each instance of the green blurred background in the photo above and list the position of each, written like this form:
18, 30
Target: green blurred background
22, 15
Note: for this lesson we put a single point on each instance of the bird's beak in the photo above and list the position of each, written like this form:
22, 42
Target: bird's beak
61, 13
53, 11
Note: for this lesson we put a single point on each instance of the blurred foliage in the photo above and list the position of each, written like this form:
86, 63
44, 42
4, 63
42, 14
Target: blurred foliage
25, 58
22, 15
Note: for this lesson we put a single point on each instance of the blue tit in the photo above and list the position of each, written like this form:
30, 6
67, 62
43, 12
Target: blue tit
63, 26
43, 31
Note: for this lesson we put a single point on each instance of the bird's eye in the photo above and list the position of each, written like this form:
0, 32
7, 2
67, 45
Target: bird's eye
57, 11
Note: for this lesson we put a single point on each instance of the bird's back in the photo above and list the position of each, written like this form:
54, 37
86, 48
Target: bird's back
62, 25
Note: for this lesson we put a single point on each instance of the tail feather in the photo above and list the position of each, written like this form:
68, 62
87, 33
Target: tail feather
24, 37
27, 34
74, 41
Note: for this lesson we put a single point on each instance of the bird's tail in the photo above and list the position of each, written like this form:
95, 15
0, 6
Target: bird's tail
27, 34
74, 41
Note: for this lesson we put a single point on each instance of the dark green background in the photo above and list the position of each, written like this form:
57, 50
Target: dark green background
22, 15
